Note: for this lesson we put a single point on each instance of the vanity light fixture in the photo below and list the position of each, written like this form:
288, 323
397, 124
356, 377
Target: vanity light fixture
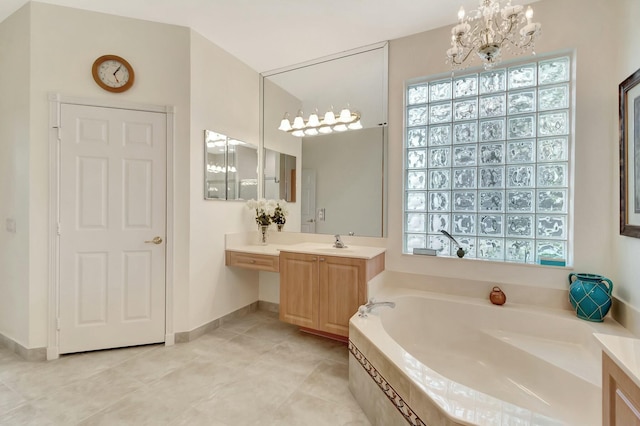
494, 26
313, 126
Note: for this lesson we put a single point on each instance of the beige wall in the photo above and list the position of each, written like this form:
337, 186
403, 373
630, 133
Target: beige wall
224, 98
52, 49
14, 176
626, 250
64, 44
567, 24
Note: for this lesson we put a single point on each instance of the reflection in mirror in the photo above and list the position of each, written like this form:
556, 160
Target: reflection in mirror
342, 175
279, 176
231, 168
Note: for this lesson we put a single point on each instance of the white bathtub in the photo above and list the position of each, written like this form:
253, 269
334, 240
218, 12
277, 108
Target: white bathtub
467, 361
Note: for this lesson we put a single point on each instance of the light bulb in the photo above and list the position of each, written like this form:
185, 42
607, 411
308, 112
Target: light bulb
461, 14
329, 118
298, 122
345, 115
313, 120
311, 131
325, 130
356, 125
285, 124
298, 133
340, 127
529, 14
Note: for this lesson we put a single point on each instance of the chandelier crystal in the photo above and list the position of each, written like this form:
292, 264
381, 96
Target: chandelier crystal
494, 26
314, 125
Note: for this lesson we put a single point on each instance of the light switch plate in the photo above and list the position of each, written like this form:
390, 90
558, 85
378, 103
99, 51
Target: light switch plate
11, 225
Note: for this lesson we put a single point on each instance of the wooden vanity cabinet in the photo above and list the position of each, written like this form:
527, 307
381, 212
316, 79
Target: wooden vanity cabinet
258, 262
321, 293
621, 396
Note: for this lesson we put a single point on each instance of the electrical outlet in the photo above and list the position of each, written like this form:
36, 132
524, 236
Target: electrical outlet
11, 225
321, 215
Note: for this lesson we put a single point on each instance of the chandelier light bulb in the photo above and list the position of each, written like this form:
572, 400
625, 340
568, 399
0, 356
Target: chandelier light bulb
298, 133
325, 130
311, 131
340, 127
485, 31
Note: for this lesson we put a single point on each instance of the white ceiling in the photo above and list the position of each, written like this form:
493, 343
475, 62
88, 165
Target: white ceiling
270, 34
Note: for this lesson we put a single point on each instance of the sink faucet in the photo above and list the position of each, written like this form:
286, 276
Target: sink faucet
363, 310
339, 243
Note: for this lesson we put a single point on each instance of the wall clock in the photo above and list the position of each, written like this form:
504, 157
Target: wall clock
113, 73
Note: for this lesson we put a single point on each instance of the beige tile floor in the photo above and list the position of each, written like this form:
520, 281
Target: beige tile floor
253, 370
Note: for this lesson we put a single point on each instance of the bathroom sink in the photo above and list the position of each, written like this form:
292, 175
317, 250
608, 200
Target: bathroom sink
334, 250
363, 252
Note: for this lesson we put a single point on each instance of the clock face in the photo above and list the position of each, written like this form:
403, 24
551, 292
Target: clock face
113, 73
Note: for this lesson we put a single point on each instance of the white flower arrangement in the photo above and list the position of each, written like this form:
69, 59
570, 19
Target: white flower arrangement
279, 216
269, 211
265, 209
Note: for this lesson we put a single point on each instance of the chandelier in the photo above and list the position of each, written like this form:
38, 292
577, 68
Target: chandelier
489, 29
313, 126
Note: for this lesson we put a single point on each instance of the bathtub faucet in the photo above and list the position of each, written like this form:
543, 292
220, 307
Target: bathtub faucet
363, 310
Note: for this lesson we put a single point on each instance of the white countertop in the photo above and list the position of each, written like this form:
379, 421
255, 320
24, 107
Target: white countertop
360, 252
625, 351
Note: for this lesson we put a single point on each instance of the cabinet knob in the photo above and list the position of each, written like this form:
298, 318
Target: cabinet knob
314, 258
253, 261
322, 259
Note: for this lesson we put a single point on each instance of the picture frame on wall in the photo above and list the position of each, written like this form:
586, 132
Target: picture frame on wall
629, 99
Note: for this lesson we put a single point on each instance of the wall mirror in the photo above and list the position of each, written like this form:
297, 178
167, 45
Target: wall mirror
342, 176
279, 176
230, 169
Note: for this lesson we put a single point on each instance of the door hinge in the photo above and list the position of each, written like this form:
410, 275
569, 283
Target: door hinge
59, 132
58, 231
58, 324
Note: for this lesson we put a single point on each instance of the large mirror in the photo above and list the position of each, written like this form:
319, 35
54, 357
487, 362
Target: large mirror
342, 175
230, 169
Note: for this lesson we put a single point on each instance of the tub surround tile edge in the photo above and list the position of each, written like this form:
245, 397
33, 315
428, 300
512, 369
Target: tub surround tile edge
400, 404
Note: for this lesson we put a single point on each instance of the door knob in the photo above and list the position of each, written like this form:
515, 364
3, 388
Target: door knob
156, 240
311, 220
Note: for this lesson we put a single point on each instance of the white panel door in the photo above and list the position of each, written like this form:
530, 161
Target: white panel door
112, 228
308, 206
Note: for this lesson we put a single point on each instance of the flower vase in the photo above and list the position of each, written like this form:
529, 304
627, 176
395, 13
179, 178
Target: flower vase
280, 226
590, 296
262, 234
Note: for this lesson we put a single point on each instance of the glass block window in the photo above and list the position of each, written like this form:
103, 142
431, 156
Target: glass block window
487, 160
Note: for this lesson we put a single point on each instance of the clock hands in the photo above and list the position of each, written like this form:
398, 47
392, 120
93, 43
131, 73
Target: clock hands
114, 74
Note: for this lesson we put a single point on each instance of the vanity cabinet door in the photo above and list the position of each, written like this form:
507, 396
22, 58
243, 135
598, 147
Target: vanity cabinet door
299, 289
342, 290
621, 396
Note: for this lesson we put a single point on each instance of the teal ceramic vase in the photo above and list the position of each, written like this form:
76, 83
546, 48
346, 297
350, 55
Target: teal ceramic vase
590, 296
